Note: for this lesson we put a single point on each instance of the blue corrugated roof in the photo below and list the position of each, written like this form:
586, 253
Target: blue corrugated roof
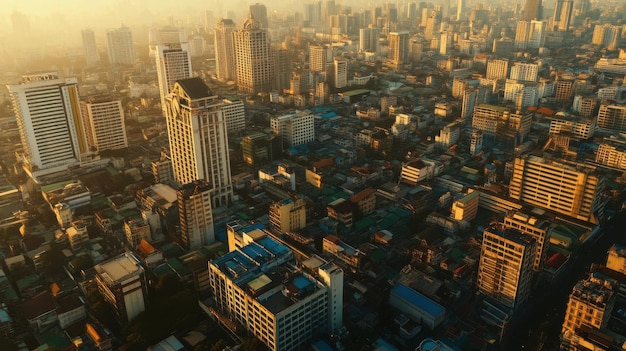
417, 299
301, 282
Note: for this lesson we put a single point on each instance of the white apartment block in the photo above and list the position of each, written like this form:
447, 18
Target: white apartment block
528, 72
173, 62
296, 128
104, 123
285, 307
234, 114
583, 129
612, 154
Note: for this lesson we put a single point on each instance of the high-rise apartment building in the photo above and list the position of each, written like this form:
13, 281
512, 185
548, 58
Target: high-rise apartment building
607, 35
198, 139
225, 50
570, 189
122, 283
259, 12
47, 110
320, 57
497, 69
399, 47
173, 62
533, 226
530, 35
259, 287
562, 17
589, 305
533, 10
460, 7
612, 117
501, 121
104, 123
252, 58
120, 46
164, 36
296, 128
505, 269
288, 215
90, 49
527, 72
234, 114
612, 154
368, 39
195, 213
260, 148
341, 72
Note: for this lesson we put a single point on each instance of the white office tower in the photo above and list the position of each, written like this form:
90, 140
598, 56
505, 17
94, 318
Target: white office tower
368, 39
198, 139
173, 62
89, 47
120, 46
225, 50
254, 63
49, 121
606, 35
527, 72
104, 123
285, 306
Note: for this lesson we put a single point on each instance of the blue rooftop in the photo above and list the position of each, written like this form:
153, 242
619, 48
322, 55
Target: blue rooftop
273, 246
301, 283
322, 345
417, 299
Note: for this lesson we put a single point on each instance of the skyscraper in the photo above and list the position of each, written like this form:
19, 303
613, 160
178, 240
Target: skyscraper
562, 14
259, 12
530, 35
225, 50
460, 6
341, 72
104, 123
89, 47
497, 69
506, 265
399, 47
49, 121
320, 56
173, 62
533, 10
120, 46
368, 39
253, 59
198, 139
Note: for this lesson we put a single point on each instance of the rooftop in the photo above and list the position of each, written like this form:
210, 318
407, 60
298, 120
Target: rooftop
195, 88
417, 299
118, 268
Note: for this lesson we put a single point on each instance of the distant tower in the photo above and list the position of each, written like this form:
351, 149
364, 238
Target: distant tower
253, 59
53, 137
120, 46
368, 39
198, 139
196, 215
399, 47
460, 6
89, 47
173, 62
477, 142
562, 14
533, 10
104, 123
320, 56
225, 50
259, 12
